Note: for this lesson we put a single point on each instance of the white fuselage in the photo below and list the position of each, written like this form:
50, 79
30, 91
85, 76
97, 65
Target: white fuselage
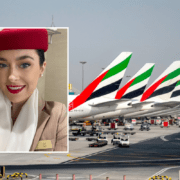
168, 113
87, 109
113, 114
89, 112
152, 109
158, 113
143, 111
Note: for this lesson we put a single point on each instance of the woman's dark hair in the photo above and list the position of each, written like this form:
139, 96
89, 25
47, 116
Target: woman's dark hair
40, 53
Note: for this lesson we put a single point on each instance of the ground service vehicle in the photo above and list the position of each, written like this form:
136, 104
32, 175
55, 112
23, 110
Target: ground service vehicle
101, 141
115, 140
98, 144
145, 126
102, 138
128, 126
124, 140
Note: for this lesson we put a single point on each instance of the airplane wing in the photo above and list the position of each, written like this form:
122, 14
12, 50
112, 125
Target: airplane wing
109, 102
170, 104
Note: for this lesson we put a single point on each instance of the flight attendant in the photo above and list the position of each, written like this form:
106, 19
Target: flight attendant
27, 122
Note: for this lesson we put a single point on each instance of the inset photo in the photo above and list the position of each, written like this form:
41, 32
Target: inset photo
33, 89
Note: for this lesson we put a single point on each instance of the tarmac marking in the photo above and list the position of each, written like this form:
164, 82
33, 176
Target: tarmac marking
46, 155
35, 177
49, 156
162, 171
83, 157
69, 155
100, 175
128, 161
86, 159
76, 158
162, 137
172, 155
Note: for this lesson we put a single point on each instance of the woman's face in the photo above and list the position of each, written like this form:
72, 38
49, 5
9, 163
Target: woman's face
19, 73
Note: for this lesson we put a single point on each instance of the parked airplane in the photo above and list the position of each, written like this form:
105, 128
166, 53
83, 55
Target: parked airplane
153, 99
101, 90
134, 88
162, 87
170, 106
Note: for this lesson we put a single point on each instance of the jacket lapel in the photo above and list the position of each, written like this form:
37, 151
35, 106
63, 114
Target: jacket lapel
42, 119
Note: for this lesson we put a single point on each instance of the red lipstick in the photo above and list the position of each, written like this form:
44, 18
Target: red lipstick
14, 89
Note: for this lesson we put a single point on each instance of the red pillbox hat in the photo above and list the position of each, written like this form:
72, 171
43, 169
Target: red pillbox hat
23, 39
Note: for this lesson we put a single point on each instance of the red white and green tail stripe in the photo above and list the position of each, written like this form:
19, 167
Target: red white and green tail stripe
162, 87
106, 83
137, 84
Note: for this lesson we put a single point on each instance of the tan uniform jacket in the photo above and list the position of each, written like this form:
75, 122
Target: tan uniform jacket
51, 133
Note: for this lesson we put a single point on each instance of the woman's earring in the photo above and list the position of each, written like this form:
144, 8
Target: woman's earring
41, 75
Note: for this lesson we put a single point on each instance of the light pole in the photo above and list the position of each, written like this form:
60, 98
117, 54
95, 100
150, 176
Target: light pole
83, 62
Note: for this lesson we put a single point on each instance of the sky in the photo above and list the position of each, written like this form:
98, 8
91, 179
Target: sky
99, 30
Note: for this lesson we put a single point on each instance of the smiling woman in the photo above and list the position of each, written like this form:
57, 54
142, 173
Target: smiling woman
19, 73
27, 123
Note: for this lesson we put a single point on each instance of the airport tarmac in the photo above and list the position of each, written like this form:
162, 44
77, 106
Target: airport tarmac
80, 148
150, 152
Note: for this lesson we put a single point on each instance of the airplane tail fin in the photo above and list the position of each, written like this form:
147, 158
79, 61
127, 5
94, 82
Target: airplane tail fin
176, 92
162, 87
106, 83
137, 84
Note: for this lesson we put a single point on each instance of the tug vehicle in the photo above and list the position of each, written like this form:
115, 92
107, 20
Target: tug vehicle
128, 126
102, 138
101, 141
145, 126
124, 141
115, 140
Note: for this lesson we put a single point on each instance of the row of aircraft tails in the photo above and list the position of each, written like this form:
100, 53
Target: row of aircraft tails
104, 99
